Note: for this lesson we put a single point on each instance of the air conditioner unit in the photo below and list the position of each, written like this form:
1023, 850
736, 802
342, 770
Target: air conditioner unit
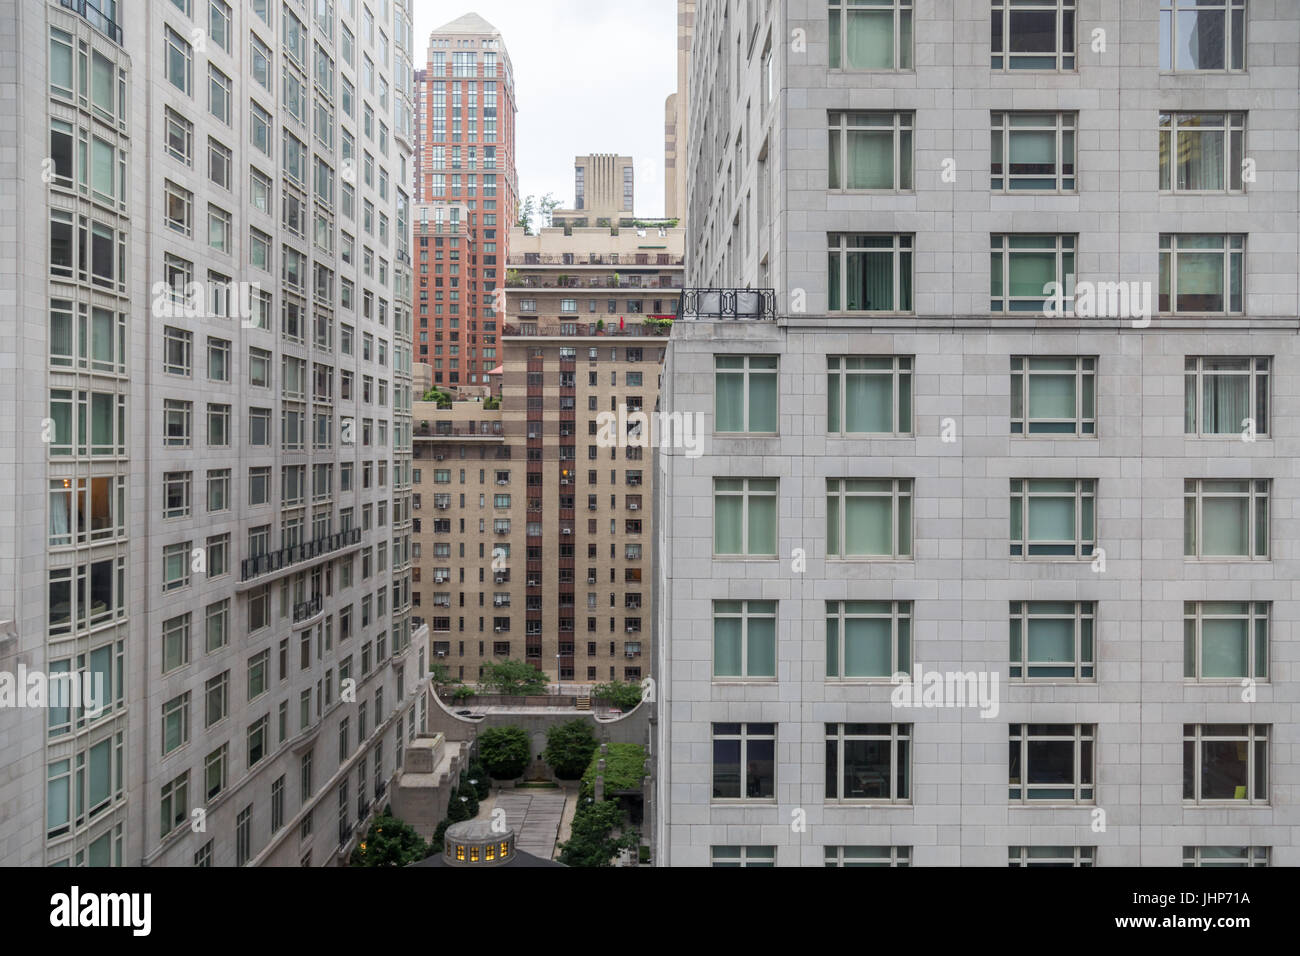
439, 579
634, 506
501, 482
633, 654
631, 630
498, 630
439, 457
591, 580
568, 531
534, 583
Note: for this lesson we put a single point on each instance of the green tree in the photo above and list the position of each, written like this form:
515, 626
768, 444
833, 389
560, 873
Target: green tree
390, 842
477, 772
591, 841
569, 748
505, 752
513, 678
622, 696
527, 214
546, 206
439, 396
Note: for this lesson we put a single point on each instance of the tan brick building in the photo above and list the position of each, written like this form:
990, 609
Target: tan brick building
565, 510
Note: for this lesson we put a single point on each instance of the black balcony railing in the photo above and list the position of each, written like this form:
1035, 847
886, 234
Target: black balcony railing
307, 609
96, 17
286, 557
727, 304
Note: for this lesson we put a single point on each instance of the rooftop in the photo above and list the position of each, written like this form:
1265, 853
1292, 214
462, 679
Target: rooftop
470, 23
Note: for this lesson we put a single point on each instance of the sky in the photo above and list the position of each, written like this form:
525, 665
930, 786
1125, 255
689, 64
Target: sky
608, 100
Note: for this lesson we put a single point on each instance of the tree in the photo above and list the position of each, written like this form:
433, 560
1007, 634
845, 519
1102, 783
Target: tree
623, 696
478, 773
569, 748
513, 678
591, 841
390, 842
545, 207
527, 213
459, 809
505, 752
439, 396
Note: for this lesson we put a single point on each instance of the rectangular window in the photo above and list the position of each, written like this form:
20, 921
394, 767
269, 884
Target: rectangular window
216, 699
219, 87
1201, 274
1202, 152
175, 723
846, 856
869, 273
869, 518
868, 639
1051, 762
1226, 395
869, 763
1225, 763
869, 394
1225, 640
1021, 268
744, 761
1033, 152
728, 857
174, 804
870, 151
1053, 517
1053, 640
1225, 518
180, 136
175, 643
179, 63
744, 639
1202, 35
1225, 856
176, 566
214, 771
877, 36
1056, 856
1054, 395
176, 494
1033, 35
744, 516
744, 394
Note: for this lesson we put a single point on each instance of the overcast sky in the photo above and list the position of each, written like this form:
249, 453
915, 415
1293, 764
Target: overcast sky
590, 77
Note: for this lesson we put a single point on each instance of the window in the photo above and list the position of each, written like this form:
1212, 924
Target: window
868, 639
874, 38
175, 643
218, 426
869, 273
869, 762
744, 639
180, 136
174, 803
244, 836
869, 394
257, 674
218, 359
1053, 395
1053, 517
870, 151
180, 61
869, 518
219, 86
742, 856
1051, 762
175, 723
744, 761
744, 394
1033, 151
1225, 518
744, 516
1225, 640
1051, 856
177, 351
1225, 395
1202, 35
216, 699
846, 856
218, 229
1033, 35
1201, 273
1225, 763
178, 210
1022, 266
261, 61
176, 566
1053, 640
260, 128
1202, 152
176, 494
258, 737
217, 625
1225, 856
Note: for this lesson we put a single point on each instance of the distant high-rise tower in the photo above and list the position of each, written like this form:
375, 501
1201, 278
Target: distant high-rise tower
465, 177
603, 188
675, 114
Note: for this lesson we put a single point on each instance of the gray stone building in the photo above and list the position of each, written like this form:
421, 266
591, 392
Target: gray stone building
207, 337
922, 461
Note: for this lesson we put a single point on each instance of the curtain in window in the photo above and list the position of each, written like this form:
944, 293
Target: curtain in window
1051, 641
60, 514
100, 677
1032, 151
1189, 404
101, 421
729, 403
1028, 273
726, 646
1051, 396
100, 764
101, 156
762, 403
1224, 526
101, 332
1199, 280
761, 657
870, 41
1051, 519
1224, 648
870, 403
728, 512
868, 525
870, 159
870, 281
1227, 403
1200, 156
867, 651
762, 524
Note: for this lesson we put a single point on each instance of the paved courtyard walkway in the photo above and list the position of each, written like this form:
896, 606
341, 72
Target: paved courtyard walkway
535, 816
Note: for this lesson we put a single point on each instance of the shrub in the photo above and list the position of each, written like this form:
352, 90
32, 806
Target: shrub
439, 836
569, 747
591, 841
513, 678
505, 752
624, 770
476, 771
389, 842
622, 696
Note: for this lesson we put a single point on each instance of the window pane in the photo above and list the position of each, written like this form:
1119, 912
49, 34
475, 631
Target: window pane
1224, 648
761, 660
729, 407
1051, 519
868, 525
870, 405
867, 651
869, 44
727, 524
726, 646
762, 403
1051, 396
1225, 529
762, 524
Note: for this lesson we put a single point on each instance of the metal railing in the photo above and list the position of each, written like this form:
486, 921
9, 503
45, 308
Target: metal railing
727, 304
96, 17
307, 609
287, 557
